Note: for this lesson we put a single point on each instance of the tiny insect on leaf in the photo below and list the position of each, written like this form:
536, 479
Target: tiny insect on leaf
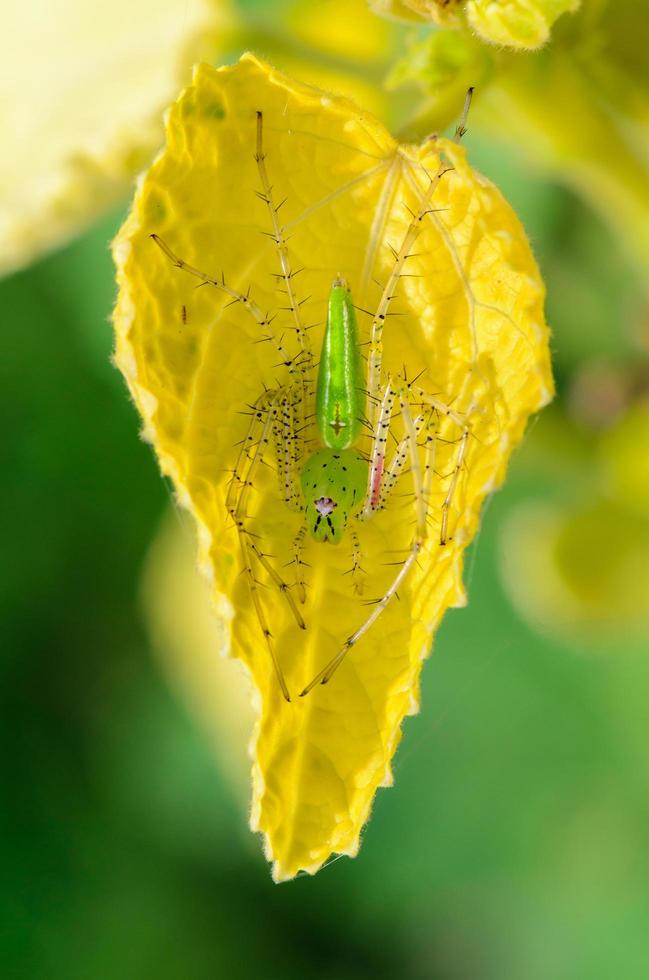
396, 374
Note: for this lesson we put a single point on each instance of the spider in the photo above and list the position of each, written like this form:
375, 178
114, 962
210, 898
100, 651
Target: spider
338, 486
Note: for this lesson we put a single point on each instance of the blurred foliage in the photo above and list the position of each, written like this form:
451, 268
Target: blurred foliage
518, 24
588, 581
578, 107
516, 842
82, 98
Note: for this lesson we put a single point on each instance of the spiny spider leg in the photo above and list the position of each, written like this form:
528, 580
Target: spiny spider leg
235, 502
305, 360
261, 616
298, 551
238, 509
278, 236
325, 675
443, 409
448, 499
287, 447
396, 465
382, 479
430, 451
281, 585
375, 355
265, 415
357, 573
263, 320
262, 415
377, 454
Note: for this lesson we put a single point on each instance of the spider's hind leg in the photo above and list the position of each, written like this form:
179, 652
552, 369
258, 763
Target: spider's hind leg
325, 675
300, 564
266, 421
441, 409
357, 572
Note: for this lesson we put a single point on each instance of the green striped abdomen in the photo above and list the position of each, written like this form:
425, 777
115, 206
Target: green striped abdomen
340, 396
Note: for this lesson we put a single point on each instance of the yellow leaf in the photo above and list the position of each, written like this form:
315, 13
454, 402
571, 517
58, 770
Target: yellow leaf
470, 317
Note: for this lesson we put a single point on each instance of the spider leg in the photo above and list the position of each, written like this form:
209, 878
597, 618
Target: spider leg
259, 429
382, 478
279, 237
298, 551
275, 401
421, 509
288, 447
450, 493
401, 255
441, 408
356, 572
294, 364
380, 432
397, 463
304, 361
266, 412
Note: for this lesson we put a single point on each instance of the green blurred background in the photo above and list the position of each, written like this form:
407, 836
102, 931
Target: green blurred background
515, 843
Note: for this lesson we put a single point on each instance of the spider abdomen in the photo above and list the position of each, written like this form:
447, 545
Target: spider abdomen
340, 394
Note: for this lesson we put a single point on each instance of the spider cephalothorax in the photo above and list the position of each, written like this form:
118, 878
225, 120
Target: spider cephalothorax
333, 487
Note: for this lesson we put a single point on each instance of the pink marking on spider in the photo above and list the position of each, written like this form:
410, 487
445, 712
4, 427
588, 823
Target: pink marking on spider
376, 480
325, 506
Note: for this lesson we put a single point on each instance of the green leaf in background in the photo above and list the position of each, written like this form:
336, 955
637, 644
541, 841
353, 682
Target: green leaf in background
520, 24
578, 108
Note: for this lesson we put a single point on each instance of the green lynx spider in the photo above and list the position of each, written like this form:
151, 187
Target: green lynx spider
336, 485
